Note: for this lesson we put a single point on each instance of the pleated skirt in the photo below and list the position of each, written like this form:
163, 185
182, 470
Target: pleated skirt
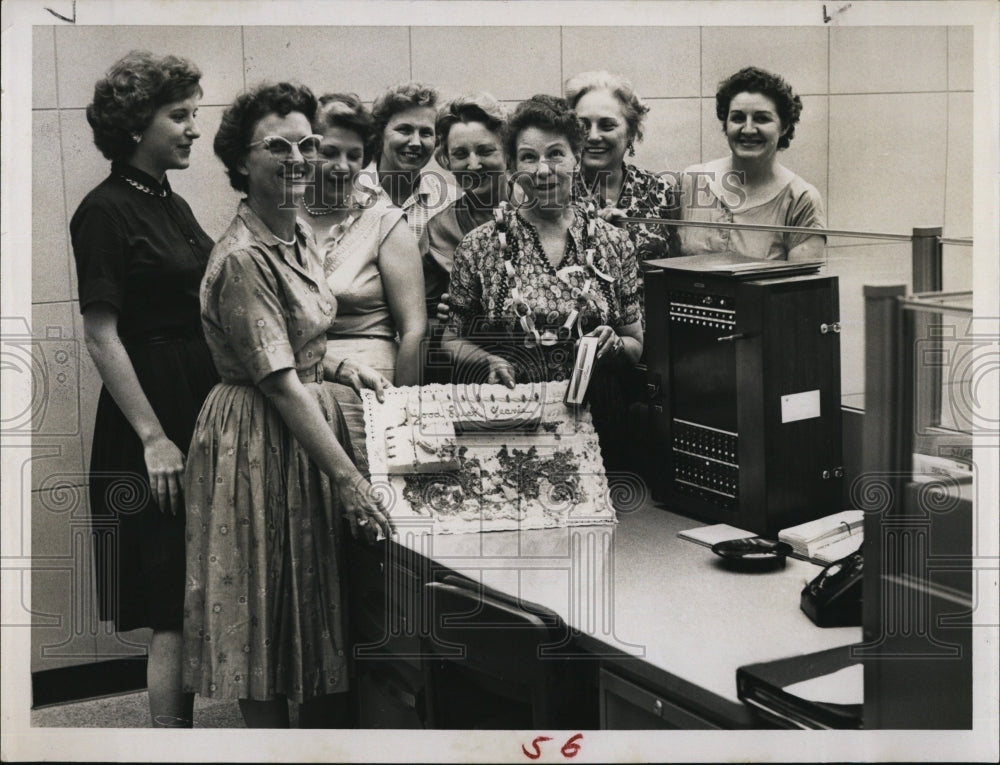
262, 608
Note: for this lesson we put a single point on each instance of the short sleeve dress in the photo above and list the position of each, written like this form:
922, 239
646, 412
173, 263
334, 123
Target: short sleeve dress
139, 250
262, 613
798, 203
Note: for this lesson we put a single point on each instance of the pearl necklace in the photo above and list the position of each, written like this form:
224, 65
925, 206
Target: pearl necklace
358, 205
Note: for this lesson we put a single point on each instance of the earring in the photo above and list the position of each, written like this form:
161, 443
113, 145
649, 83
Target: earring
631, 148
136, 137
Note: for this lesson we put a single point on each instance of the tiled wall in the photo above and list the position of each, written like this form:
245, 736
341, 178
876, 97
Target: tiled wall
885, 136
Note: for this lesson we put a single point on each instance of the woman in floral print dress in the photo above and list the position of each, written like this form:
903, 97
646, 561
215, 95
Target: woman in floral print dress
269, 477
612, 115
525, 287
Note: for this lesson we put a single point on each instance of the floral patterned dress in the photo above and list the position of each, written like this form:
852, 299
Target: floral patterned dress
482, 300
262, 612
643, 195
482, 307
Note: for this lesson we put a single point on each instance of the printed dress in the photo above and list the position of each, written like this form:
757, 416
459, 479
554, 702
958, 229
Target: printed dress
139, 250
482, 306
643, 195
262, 613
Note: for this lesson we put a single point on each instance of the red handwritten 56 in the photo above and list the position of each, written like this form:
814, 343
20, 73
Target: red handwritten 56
569, 750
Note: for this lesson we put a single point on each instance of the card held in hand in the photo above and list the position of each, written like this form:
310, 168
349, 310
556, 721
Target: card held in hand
576, 391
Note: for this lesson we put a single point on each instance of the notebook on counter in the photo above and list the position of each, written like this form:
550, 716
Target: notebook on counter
706, 536
816, 691
827, 539
822, 541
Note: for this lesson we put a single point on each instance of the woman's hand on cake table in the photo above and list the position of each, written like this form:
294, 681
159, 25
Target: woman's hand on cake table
360, 376
500, 371
365, 509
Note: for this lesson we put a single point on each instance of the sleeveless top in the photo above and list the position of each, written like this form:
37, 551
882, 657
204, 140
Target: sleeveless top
352, 272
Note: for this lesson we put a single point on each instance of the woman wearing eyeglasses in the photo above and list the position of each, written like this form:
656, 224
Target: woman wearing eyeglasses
525, 287
270, 478
370, 259
140, 255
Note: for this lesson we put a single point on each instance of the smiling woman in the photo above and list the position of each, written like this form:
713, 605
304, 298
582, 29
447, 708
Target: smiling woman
758, 112
370, 259
528, 285
270, 479
611, 114
140, 255
405, 137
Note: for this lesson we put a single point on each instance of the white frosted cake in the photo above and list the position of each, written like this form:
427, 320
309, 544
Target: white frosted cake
479, 458
422, 447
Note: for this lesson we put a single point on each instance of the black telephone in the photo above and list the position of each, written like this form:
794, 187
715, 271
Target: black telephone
833, 598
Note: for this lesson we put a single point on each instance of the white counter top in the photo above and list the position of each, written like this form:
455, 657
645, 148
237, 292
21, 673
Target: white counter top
637, 590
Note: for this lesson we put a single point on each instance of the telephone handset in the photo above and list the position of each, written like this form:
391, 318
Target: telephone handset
833, 598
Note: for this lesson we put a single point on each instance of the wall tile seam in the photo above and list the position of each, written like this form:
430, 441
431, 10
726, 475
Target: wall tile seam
896, 93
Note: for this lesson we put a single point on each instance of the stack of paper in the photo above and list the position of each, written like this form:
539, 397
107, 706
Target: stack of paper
710, 535
826, 539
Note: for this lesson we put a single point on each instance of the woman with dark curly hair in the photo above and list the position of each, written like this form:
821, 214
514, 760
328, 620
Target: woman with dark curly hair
758, 111
269, 478
140, 256
612, 114
525, 287
370, 259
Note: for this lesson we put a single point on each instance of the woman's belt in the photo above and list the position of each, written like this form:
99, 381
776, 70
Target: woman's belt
308, 375
164, 335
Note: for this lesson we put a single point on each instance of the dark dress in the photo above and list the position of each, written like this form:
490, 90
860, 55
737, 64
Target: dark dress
139, 249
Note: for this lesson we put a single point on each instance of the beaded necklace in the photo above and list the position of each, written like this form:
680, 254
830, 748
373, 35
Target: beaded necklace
584, 295
359, 203
144, 188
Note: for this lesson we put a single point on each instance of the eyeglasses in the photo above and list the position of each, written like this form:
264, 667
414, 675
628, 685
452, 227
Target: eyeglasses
281, 148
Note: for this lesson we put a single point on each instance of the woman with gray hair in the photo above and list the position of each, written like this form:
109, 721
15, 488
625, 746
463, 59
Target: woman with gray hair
612, 115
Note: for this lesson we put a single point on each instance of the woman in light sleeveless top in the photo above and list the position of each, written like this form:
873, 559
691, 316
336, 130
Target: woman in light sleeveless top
371, 260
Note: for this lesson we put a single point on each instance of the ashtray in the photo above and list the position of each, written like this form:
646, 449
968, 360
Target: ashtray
752, 553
